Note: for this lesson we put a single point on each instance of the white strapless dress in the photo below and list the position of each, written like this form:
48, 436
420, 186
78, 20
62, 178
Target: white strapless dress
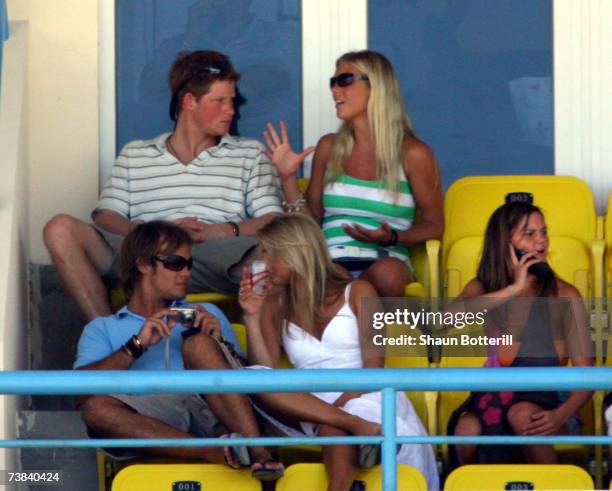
339, 347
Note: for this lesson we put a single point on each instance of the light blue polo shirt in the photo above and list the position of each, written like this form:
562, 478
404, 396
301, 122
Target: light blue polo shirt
105, 335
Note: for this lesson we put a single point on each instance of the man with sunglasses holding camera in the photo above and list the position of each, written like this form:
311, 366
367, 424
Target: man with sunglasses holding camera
219, 188
147, 334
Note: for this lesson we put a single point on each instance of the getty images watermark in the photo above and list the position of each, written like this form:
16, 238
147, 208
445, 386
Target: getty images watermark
422, 319
474, 327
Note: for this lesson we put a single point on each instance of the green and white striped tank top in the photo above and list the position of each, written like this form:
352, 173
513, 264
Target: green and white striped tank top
349, 200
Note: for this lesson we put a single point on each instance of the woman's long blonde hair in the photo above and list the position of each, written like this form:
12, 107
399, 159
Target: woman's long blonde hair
297, 241
387, 116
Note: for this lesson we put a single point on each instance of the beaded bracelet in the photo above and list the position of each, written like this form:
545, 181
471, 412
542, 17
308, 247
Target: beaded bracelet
296, 205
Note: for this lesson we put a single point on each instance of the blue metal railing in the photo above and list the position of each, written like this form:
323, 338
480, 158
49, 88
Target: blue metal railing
389, 380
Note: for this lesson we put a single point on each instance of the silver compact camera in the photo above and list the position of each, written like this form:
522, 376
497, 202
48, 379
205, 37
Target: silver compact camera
184, 315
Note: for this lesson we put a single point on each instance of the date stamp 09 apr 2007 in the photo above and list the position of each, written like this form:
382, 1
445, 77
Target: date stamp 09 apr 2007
31, 478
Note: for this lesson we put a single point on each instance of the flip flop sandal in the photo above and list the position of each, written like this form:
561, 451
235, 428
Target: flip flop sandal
239, 453
266, 472
369, 456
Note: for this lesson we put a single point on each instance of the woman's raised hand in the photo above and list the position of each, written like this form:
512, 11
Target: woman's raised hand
249, 299
281, 154
521, 267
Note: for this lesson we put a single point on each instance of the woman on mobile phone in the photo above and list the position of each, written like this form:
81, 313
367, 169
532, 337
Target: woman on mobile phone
368, 179
547, 319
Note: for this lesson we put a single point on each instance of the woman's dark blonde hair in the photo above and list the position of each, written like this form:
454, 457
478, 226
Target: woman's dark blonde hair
297, 241
495, 270
387, 116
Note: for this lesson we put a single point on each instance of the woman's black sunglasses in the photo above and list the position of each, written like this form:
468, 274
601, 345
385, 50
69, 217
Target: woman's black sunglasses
174, 262
346, 79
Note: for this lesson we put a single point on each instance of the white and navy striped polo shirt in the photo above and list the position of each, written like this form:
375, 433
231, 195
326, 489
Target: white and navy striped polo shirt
232, 181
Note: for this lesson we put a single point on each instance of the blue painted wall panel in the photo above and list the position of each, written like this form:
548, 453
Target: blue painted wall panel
262, 37
476, 77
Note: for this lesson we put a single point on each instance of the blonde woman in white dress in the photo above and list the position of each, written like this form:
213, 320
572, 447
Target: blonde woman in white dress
311, 309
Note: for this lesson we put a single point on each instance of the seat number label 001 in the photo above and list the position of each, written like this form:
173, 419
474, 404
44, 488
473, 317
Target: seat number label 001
186, 486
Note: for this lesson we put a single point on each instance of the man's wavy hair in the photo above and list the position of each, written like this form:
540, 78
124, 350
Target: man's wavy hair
195, 72
144, 242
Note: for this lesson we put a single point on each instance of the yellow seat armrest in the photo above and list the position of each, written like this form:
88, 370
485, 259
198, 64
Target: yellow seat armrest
433, 262
599, 227
431, 403
597, 256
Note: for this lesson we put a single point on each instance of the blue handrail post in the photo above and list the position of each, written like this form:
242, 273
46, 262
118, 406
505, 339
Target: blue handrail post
389, 444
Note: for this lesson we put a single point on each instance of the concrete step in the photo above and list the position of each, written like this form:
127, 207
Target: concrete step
56, 325
77, 465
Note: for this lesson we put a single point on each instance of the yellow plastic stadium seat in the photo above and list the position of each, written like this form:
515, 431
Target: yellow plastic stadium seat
312, 477
209, 297
166, 477
489, 477
240, 331
608, 276
118, 298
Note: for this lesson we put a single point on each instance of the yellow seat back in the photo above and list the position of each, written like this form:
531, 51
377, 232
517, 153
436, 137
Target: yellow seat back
161, 477
488, 477
424, 402
567, 204
240, 331
313, 477
608, 275
608, 241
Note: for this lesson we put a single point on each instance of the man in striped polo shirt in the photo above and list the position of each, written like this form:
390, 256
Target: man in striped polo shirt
219, 188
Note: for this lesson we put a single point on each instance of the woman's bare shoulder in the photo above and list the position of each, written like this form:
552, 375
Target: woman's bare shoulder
413, 148
473, 288
326, 141
565, 289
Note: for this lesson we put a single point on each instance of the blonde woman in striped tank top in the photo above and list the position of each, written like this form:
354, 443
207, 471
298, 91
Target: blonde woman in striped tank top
369, 178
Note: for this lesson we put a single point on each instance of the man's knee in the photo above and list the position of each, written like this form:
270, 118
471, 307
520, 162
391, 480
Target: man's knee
97, 408
200, 351
60, 230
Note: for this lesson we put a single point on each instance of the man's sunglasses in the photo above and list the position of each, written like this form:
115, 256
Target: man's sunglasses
346, 79
174, 262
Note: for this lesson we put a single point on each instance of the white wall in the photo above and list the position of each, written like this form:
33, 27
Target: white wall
13, 224
63, 110
583, 93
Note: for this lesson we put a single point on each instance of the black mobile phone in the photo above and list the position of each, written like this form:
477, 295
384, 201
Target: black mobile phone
540, 270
